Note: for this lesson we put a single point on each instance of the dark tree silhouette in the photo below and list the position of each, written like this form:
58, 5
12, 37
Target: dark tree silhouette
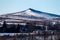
57, 26
13, 28
18, 28
50, 26
4, 26
30, 26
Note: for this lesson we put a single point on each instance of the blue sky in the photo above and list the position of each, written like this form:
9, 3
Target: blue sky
50, 6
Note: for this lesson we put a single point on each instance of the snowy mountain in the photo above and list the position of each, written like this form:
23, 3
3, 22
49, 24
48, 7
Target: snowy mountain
31, 13
27, 16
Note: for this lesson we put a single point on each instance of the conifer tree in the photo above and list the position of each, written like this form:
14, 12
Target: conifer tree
4, 26
18, 28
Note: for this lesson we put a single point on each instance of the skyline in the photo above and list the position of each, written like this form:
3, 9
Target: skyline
11, 6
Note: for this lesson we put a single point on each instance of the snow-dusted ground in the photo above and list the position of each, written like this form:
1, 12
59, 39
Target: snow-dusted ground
38, 37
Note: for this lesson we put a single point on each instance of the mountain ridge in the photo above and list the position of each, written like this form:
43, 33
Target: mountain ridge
32, 13
43, 12
37, 11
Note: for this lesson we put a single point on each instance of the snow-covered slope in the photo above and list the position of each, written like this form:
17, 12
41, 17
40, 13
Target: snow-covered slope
31, 13
26, 16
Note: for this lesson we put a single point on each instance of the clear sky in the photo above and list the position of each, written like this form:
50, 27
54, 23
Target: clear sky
50, 6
